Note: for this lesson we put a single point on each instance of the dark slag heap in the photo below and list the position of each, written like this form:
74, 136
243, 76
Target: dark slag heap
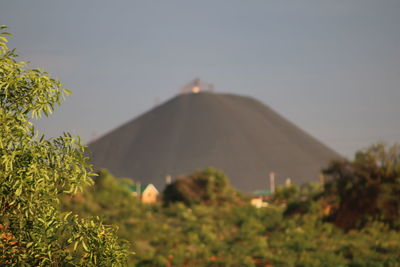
236, 134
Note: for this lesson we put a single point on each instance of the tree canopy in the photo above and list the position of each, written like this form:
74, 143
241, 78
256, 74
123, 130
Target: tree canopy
367, 188
35, 171
208, 186
226, 234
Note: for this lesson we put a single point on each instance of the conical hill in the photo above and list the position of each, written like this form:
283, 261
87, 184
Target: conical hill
236, 134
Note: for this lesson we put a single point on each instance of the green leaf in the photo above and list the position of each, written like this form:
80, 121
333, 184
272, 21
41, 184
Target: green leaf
18, 191
84, 246
68, 92
67, 215
76, 245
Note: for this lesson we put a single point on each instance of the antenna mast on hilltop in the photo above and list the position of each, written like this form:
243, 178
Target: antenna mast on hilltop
196, 86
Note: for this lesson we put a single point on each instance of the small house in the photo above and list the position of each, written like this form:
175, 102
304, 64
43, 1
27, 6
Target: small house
147, 193
260, 198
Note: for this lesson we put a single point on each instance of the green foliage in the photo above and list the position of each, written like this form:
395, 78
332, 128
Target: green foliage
208, 187
35, 171
240, 235
367, 188
110, 199
286, 193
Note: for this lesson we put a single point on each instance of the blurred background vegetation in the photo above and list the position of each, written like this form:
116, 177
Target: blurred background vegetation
351, 220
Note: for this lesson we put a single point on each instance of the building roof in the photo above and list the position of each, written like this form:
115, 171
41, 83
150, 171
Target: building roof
261, 193
134, 188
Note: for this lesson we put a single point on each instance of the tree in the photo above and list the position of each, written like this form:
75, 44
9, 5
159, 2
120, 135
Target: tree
367, 187
35, 171
209, 186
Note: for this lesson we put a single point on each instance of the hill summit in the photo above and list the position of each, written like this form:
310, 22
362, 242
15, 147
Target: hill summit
236, 134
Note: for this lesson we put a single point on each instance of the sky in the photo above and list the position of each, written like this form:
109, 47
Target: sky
330, 67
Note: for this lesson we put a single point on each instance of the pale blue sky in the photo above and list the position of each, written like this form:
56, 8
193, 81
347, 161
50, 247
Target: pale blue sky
331, 67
